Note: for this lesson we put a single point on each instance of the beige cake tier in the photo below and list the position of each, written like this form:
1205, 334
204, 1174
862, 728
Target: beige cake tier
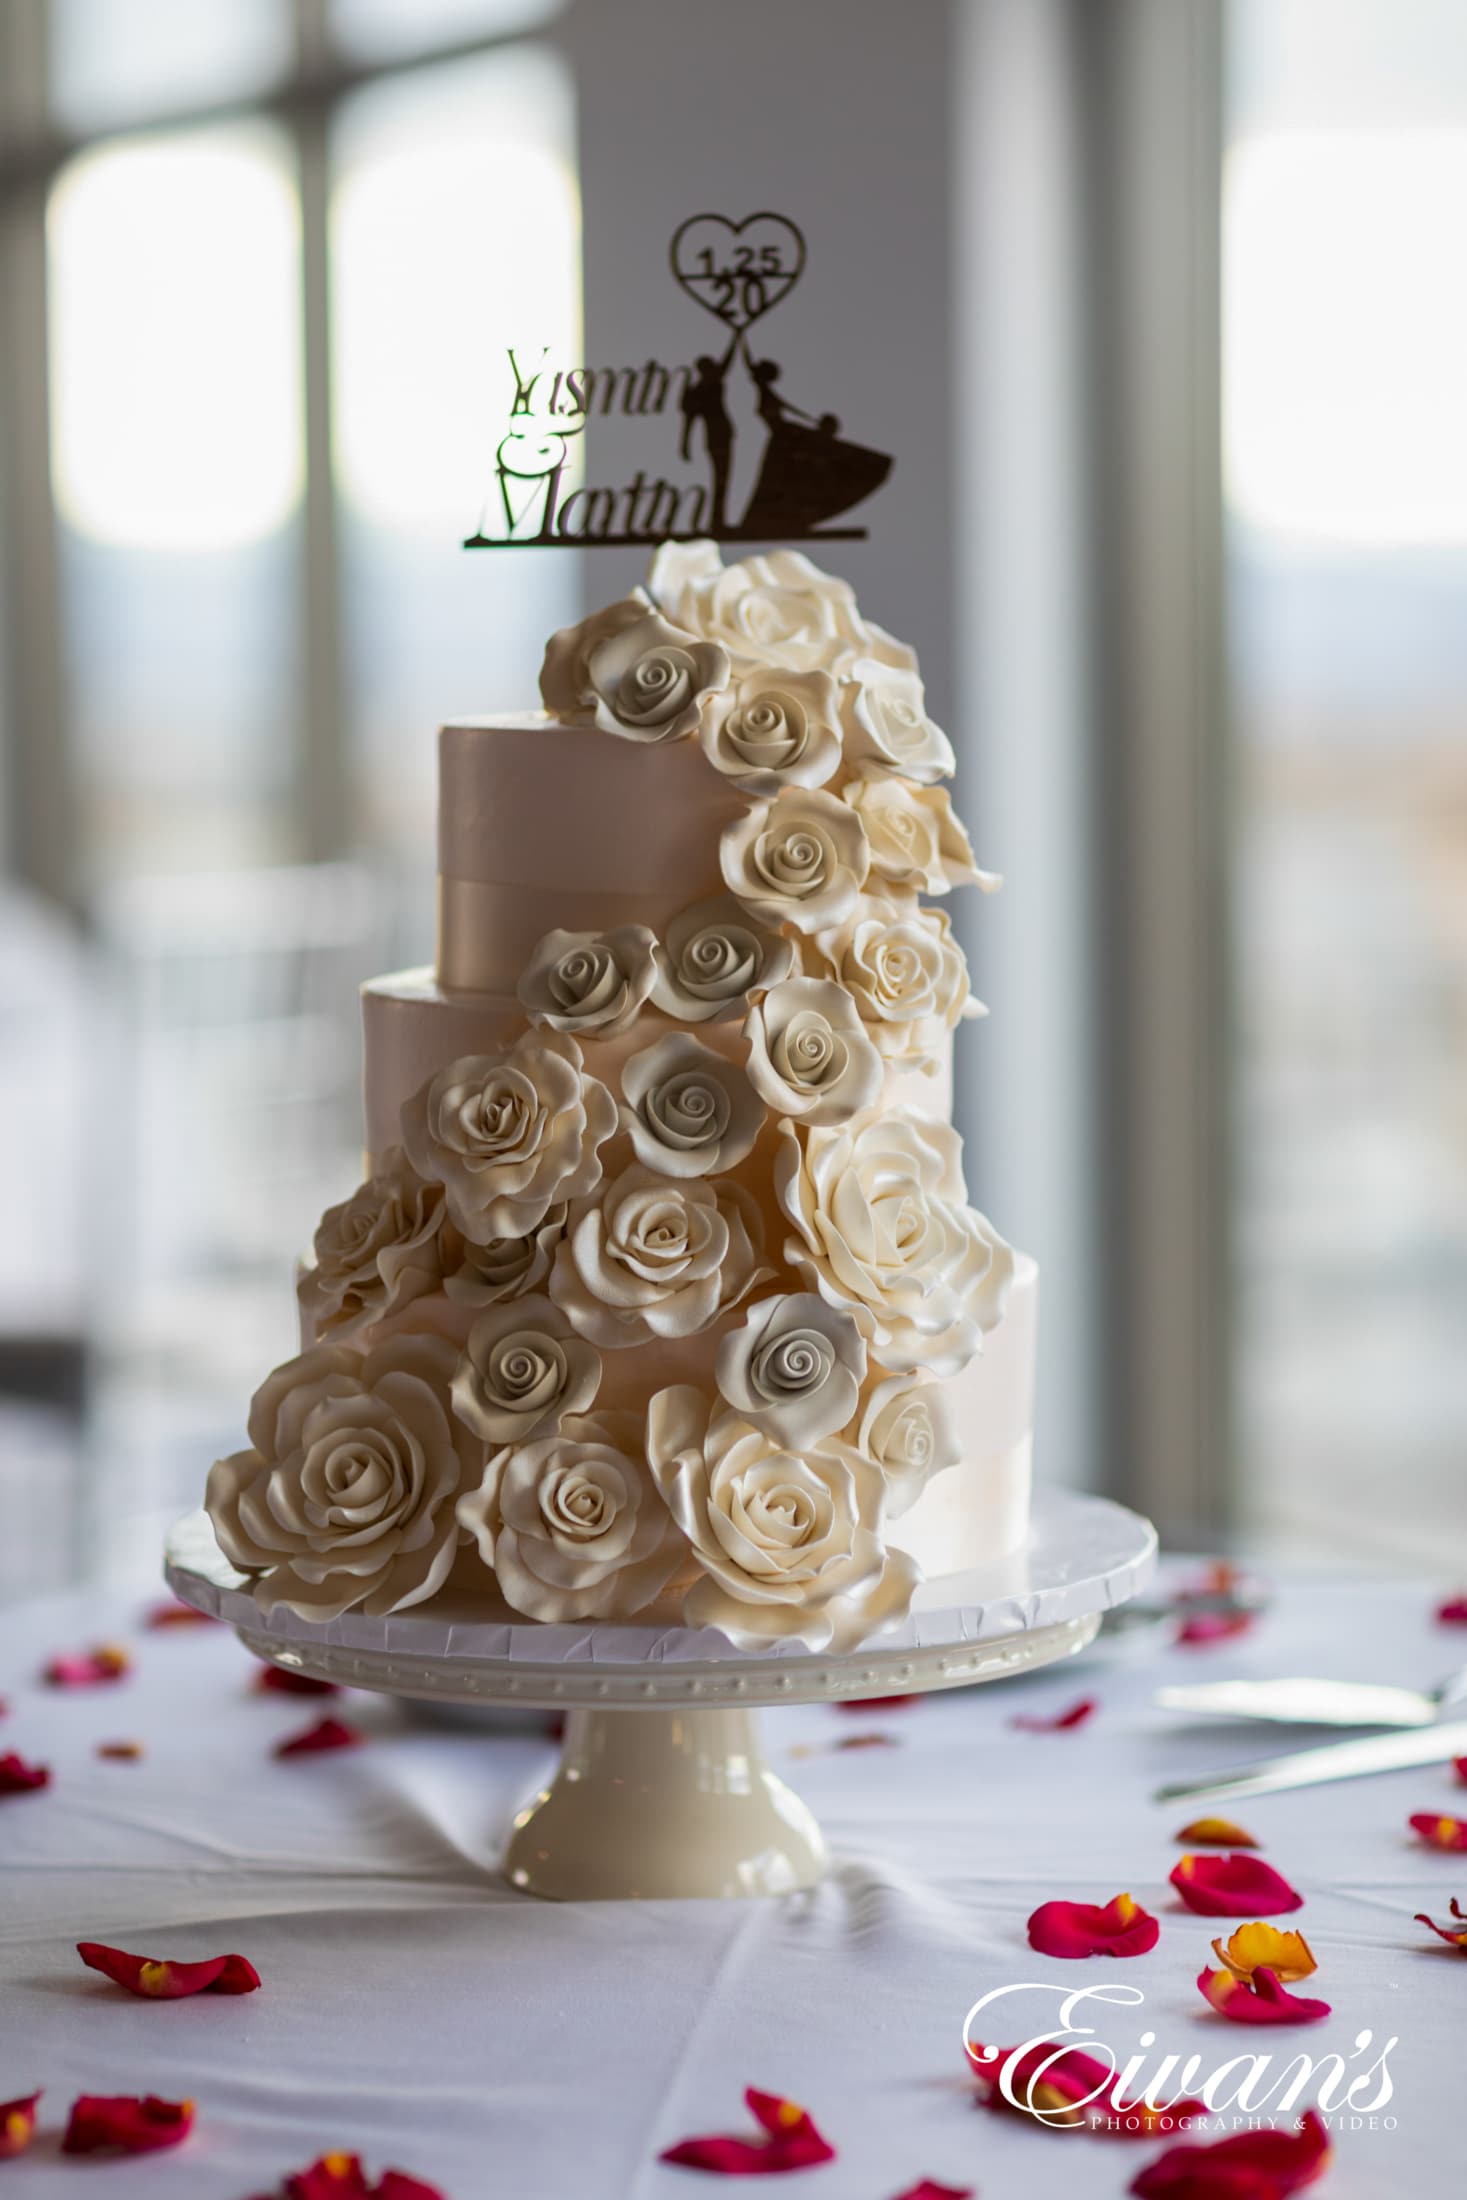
515, 854
663, 1292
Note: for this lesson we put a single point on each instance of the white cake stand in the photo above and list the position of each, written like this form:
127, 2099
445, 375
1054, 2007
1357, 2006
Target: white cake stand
662, 1788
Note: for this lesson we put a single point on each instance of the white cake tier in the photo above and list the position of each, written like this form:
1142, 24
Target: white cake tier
412, 1026
544, 827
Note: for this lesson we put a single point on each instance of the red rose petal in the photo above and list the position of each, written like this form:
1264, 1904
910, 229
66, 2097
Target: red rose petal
342, 2177
1215, 1833
172, 1613
876, 1703
1199, 1629
1440, 1832
131, 2124
325, 1734
284, 1680
160, 1979
928, 2188
790, 2142
1064, 1722
1455, 1935
1118, 1928
1233, 1886
1061, 2086
1260, 1999
1453, 1613
1250, 2165
95, 1668
1459, 1766
19, 1778
17, 2125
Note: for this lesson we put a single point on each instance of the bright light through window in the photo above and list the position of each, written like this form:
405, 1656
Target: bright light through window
1347, 335
449, 243
176, 341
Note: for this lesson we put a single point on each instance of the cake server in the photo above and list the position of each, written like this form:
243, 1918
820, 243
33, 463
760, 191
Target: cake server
1335, 1761
1302, 1702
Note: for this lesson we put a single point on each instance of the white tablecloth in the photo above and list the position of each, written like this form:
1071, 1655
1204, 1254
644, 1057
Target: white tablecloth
416, 2010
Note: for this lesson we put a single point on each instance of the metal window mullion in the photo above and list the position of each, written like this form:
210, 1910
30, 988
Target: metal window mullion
324, 804
1154, 78
38, 821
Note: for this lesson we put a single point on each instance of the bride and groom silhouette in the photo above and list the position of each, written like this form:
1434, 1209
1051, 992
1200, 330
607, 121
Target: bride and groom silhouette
807, 472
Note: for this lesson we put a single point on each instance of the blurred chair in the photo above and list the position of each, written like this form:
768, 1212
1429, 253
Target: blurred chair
235, 1117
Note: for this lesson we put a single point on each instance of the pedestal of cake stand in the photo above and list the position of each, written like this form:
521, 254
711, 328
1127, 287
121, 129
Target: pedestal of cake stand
662, 1788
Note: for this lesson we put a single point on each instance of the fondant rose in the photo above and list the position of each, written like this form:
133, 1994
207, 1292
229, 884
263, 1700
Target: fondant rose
916, 838
790, 1543
345, 1498
775, 610
907, 1430
801, 859
906, 974
776, 729
590, 981
510, 1136
809, 1055
565, 677
689, 1111
656, 1259
794, 1368
651, 682
573, 1525
523, 1370
887, 727
713, 954
881, 1228
375, 1253
506, 1267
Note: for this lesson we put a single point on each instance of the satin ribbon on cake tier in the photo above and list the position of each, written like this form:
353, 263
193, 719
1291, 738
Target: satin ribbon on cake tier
487, 931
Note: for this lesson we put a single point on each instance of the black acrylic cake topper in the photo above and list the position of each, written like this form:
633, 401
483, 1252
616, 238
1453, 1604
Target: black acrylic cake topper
808, 474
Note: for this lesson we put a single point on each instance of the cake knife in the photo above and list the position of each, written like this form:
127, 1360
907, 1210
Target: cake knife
1394, 1752
1300, 1702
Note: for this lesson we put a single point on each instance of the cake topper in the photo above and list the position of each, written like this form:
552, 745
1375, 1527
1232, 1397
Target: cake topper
809, 474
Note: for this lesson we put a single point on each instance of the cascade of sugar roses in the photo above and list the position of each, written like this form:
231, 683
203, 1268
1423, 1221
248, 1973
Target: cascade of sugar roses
657, 1306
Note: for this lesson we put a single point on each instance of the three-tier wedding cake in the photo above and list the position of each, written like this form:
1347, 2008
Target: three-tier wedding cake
662, 1297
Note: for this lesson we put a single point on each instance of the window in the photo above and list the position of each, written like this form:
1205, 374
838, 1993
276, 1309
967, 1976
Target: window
261, 253
1346, 465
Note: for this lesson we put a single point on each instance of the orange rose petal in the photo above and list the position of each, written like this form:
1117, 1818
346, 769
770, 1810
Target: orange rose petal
172, 1613
1287, 1954
1440, 1832
1215, 1833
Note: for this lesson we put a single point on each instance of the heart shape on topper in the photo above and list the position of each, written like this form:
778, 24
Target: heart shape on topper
738, 270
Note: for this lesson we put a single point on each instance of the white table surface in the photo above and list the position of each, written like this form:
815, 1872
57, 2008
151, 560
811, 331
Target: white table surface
417, 2011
